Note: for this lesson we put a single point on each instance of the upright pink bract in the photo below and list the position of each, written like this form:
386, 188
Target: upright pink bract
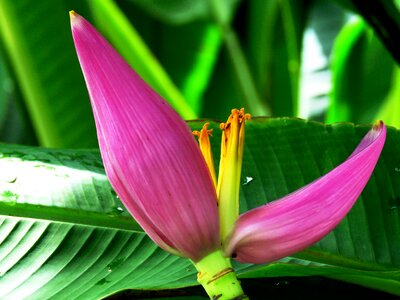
150, 155
302, 218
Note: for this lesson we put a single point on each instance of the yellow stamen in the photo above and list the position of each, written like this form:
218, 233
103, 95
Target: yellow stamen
205, 147
230, 167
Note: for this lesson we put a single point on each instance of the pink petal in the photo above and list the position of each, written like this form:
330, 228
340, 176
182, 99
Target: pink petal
150, 155
300, 219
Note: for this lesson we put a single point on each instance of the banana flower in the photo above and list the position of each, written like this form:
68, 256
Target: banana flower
168, 183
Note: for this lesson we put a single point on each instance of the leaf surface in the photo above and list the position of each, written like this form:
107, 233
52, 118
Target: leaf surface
65, 235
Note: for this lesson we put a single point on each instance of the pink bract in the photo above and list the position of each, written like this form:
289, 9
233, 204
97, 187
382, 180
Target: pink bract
302, 218
150, 155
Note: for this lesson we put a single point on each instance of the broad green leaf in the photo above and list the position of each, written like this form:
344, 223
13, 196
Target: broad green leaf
64, 233
114, 25
381, 280
40, 50
274, 47
357, 91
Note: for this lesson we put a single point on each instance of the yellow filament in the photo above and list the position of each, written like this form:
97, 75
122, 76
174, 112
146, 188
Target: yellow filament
205, 147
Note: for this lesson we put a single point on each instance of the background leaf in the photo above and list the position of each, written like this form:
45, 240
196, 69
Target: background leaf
188, 51
182, 11
50, 79
274, 51
325, 20
65, 234
358, 59
384, 17
390, 108
15, 124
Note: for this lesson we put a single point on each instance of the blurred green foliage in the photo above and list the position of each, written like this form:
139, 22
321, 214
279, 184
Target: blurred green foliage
204, 57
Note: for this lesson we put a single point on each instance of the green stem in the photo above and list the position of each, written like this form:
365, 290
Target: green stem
240, 65
218, 278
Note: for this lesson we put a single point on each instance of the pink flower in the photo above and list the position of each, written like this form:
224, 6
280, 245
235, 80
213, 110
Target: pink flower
150, 155
159, 172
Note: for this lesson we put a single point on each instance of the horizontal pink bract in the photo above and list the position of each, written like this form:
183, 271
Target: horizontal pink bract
300, 219
150, 155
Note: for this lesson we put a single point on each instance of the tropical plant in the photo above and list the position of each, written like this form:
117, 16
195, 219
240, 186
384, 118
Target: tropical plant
65, 234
